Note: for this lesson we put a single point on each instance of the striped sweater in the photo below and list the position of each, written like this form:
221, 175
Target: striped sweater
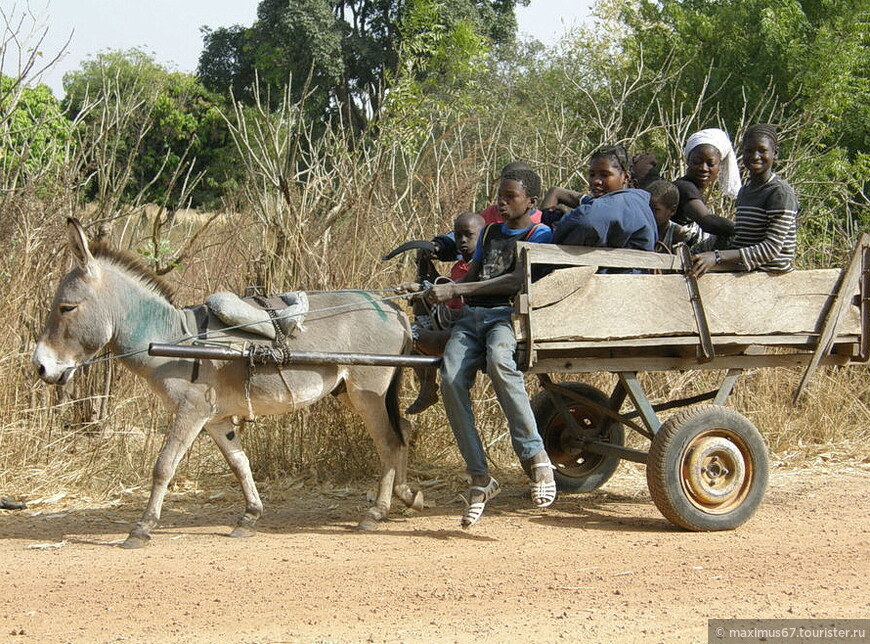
766, 225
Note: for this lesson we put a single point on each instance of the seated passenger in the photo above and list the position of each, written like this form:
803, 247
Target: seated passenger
709, 157
613, 216
644, 170
557, 201
483, 338
663, 200
445, 245
765, 234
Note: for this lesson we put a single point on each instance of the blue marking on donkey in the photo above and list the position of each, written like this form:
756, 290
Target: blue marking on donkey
107, 300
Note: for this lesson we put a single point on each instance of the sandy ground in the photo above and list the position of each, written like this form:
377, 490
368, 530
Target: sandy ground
601, 567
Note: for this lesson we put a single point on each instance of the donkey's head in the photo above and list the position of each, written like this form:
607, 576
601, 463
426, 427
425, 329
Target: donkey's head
80, 323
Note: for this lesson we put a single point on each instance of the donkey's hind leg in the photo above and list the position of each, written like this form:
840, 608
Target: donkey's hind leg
227, 438
370, 405
411, 498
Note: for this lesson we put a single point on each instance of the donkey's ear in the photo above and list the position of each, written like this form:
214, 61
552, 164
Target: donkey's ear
79, 244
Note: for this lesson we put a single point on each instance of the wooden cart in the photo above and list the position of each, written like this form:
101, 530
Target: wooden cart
707, 465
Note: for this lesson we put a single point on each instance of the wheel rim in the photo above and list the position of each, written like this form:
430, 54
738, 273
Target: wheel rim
563, 444
717, 471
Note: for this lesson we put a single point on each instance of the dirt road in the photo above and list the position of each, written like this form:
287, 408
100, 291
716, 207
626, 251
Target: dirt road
604, 567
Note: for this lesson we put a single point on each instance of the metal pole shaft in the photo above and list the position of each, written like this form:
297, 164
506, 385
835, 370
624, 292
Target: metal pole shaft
295, 357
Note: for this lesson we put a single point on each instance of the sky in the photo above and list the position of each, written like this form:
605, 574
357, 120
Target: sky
169, 30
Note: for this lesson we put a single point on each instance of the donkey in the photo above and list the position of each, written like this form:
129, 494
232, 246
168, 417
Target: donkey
109, 300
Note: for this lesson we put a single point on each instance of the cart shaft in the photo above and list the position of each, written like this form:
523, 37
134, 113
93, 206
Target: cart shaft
293, 357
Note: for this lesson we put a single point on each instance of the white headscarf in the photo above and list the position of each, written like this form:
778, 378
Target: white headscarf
729, 173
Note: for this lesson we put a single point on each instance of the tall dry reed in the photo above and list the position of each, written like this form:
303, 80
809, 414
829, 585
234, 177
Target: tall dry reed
102, 433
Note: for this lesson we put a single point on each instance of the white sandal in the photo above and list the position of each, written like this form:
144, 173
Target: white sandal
474, 510
543, 492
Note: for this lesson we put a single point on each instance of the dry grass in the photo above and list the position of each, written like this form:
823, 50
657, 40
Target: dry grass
100, 435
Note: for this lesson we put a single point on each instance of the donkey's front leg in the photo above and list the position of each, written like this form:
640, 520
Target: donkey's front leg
226, 436
182, 432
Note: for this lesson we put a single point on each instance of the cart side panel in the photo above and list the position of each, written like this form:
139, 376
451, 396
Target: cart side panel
612, 307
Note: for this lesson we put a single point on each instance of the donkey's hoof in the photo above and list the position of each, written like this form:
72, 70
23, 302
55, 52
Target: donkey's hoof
368, 524
135, 541
417, 503
242, 531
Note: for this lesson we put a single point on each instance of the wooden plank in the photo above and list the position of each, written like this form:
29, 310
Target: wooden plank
609, 307
559, 284
609, 257
526, 358
800, 340
615, 365
836, 314
864, 352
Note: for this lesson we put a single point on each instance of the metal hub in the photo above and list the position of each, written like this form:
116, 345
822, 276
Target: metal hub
716, 471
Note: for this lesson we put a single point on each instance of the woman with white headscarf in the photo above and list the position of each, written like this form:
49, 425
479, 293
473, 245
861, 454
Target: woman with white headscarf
709, 157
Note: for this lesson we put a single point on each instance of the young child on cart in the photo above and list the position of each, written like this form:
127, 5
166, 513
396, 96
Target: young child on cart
432, 331
445, 245
663, 200
483, 337
765, 224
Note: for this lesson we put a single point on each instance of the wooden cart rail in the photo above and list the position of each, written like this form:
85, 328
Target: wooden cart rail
576, 320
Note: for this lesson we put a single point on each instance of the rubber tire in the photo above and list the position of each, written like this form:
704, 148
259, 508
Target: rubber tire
596, 469
728, 435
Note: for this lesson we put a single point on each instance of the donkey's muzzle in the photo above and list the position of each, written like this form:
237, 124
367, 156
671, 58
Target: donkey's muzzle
49, 370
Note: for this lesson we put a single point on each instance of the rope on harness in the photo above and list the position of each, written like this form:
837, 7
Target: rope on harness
264, 354
280, 336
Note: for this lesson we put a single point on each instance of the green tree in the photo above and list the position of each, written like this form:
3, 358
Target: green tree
149, 130
226, 64
34, 130
810, 55
441, 66
340, 53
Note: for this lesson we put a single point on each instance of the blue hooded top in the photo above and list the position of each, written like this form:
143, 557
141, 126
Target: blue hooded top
620, 219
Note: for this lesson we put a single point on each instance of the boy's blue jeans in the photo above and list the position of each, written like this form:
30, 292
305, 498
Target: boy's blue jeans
484, 337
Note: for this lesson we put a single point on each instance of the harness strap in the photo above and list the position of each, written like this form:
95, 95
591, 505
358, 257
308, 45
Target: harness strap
200, 316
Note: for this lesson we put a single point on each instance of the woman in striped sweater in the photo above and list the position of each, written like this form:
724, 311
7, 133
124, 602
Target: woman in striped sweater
766, 220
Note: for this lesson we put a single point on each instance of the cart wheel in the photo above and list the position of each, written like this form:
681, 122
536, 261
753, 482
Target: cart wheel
707, 469
576, 469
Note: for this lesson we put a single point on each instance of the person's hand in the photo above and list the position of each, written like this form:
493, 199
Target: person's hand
703, 262
440, 293
408, 287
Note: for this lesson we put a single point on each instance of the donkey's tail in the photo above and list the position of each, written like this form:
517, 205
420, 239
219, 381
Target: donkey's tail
392, 401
